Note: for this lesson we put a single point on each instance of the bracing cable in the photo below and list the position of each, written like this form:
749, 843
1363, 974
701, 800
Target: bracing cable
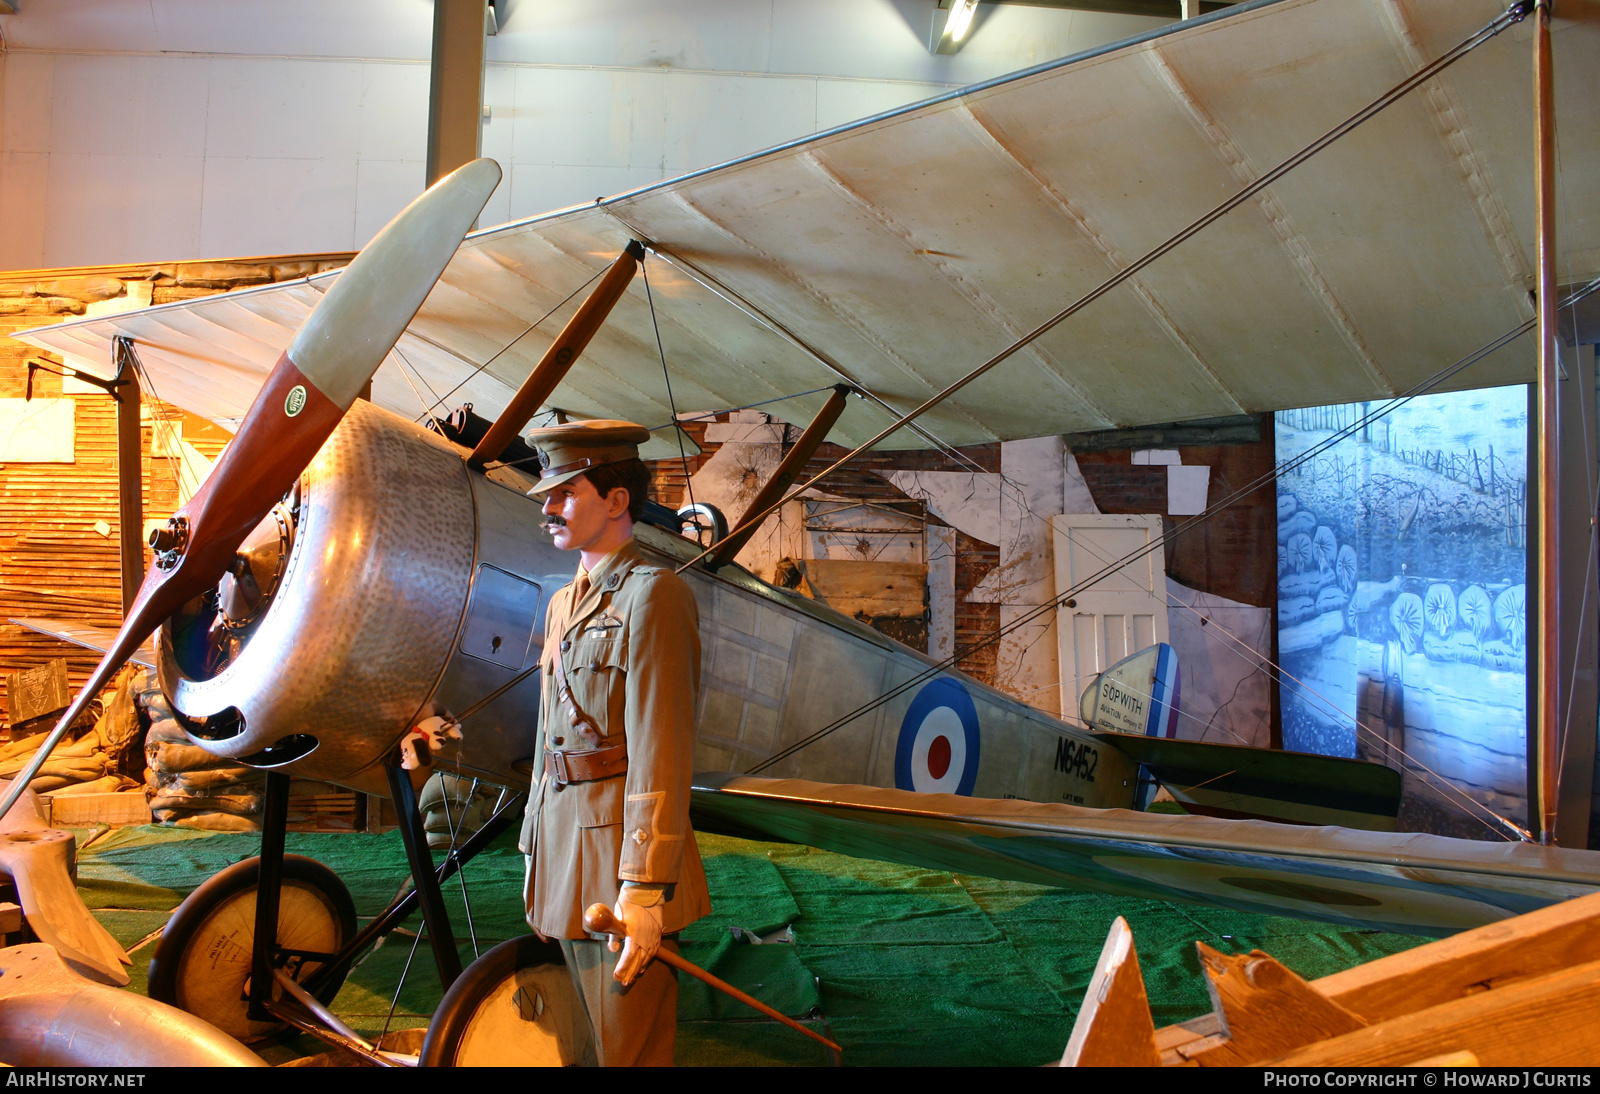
666, 377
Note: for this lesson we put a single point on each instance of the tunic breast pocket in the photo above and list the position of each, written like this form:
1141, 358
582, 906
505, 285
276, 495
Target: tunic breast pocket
599, 677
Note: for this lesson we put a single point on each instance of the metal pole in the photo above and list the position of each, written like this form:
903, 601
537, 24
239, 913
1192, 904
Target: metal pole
130, 474
455, 86
1547, 661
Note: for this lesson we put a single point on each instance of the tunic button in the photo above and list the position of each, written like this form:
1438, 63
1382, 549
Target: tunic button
560, 740
640, 836
594, 666
565, 645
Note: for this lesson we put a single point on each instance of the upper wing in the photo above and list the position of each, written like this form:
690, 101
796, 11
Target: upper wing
88, 636
1385, 881
899, 252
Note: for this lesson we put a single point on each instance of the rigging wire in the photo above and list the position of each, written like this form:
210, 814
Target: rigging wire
501, 804
1443, 788
1515, 14
727, 295
405, 971
1276, 672
1395, 403
525, 332
683, 453
160, 426
427, 411
1590, 464
455, 823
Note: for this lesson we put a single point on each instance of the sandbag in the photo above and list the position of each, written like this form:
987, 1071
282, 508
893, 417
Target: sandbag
243, 779
26, 746
168, 756
110, 784
166, 729
215, 822
118, 726
72, 768
240, 804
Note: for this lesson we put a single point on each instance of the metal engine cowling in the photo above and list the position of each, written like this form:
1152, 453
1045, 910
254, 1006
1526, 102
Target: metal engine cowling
363, 626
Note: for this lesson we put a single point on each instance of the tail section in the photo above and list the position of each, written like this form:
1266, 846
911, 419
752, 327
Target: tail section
1293, 787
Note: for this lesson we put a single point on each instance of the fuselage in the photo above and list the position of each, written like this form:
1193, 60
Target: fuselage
413, 585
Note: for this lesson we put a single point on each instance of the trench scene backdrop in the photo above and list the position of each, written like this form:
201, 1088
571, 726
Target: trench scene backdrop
1402, 610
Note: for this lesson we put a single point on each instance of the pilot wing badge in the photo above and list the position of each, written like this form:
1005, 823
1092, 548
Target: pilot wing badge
1138, 695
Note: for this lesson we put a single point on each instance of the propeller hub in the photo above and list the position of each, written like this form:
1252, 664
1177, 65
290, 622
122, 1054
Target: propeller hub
168, 542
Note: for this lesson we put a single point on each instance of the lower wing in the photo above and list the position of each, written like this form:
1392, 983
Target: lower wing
1410, 882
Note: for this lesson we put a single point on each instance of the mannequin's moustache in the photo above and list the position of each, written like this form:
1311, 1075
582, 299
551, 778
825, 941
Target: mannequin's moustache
552, 523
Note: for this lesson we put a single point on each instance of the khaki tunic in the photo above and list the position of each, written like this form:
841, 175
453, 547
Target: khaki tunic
631, 649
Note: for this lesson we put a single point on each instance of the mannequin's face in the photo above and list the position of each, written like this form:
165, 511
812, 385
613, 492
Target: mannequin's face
579, 519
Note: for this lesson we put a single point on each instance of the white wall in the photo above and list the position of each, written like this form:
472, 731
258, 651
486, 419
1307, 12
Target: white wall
170, 129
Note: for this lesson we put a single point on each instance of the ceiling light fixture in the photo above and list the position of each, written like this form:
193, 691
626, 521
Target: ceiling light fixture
951, 22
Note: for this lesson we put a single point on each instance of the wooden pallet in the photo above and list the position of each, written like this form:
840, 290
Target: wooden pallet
1517, 993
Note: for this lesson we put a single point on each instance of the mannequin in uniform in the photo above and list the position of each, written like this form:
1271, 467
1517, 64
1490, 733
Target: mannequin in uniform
608, 816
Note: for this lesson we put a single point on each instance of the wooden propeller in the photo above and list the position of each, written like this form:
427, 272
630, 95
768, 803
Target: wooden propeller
333, 356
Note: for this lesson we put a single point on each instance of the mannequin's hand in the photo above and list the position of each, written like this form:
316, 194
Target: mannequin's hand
642, 941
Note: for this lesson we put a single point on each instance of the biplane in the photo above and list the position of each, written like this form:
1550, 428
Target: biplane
1287, 203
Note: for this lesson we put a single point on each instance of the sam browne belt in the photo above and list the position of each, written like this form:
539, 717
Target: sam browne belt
585, 765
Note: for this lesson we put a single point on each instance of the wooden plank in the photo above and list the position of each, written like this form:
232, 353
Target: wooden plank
1114, 1028
1544, 1021
1170, 1039
1471, 965
875, 589
1474, 961
1265, 1009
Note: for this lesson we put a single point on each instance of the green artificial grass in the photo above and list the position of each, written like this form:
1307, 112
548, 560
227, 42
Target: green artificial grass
902, 966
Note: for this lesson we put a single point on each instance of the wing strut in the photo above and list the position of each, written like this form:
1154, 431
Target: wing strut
782, 478
558, 359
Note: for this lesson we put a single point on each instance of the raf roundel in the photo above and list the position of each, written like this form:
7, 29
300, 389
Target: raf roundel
938, 748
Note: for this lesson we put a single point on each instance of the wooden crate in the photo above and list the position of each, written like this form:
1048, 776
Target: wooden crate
82, 810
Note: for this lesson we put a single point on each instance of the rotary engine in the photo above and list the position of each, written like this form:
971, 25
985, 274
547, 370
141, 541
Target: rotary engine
390, 584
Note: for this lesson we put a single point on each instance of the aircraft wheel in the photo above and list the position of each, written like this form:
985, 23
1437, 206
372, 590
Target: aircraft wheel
513, 1007
703, 523
202, 963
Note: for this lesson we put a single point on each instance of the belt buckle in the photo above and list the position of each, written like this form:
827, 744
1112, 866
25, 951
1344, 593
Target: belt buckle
563, 775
